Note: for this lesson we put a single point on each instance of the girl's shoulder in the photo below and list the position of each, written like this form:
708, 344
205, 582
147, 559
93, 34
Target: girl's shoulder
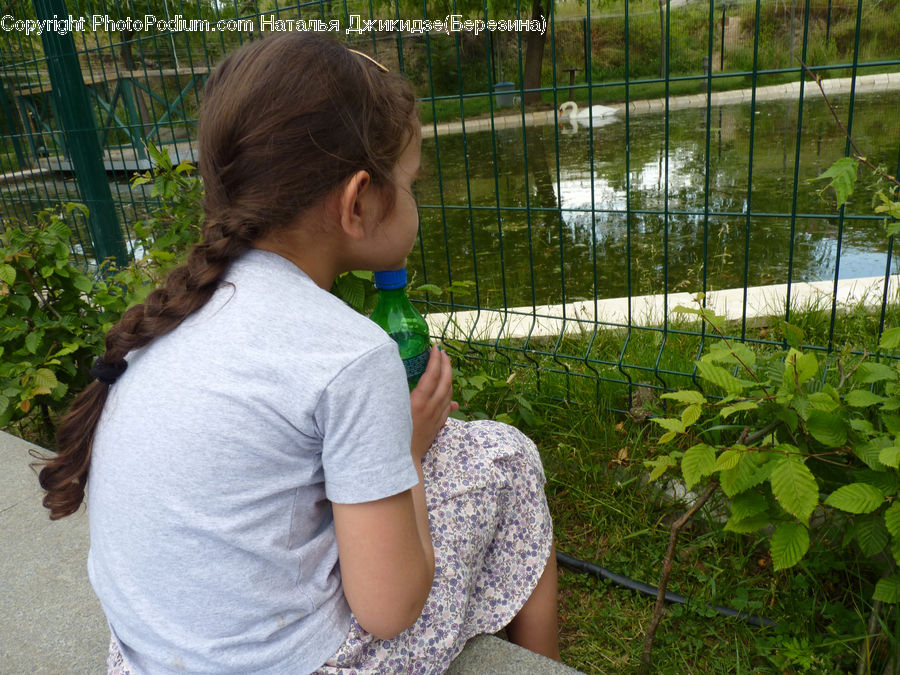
267, 289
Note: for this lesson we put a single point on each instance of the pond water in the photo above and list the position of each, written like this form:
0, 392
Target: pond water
568, 215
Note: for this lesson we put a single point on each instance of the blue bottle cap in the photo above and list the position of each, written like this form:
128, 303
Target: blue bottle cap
391, 279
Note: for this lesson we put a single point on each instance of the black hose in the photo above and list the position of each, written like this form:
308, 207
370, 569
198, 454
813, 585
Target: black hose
652, 591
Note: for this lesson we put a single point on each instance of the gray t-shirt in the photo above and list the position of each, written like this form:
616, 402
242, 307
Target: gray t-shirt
214, 465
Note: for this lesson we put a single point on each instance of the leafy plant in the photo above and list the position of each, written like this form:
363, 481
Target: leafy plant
776, 429
802, 445
166, 234
52, 320
54, 315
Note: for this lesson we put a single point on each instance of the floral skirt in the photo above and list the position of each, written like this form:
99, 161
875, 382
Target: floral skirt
484, 489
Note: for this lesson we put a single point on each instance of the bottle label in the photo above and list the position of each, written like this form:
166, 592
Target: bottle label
415, 365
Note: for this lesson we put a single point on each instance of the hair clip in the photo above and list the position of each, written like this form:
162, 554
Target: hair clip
380, 67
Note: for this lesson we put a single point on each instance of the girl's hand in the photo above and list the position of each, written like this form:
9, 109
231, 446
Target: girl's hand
431, 402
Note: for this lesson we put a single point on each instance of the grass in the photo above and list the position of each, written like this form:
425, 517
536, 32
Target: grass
604, 512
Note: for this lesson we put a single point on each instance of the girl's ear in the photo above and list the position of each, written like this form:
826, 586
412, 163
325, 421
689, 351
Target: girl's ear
354, 203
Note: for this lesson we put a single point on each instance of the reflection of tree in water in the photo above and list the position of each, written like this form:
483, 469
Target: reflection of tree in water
579, 233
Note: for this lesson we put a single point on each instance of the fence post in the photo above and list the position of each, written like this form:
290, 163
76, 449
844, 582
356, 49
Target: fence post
80, 132
12, 123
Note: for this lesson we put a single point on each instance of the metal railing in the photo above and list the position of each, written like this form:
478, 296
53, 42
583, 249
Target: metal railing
572, 236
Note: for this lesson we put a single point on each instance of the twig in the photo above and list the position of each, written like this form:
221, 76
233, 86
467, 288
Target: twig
859, 156
762, 433
847, 375
660, 606
45, 304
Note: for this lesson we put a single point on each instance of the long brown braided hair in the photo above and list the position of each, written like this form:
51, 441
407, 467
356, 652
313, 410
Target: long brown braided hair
284, 121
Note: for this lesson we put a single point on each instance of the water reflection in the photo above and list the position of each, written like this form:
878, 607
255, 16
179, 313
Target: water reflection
552, 215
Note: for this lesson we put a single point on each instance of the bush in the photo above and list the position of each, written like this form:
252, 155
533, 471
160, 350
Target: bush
54, 315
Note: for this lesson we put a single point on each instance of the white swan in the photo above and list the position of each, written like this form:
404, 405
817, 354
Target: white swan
569, 111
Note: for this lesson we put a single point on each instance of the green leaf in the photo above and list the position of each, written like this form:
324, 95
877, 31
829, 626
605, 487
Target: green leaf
795, 488
872, 535
793, 335
66, 349
870, 452
748, 524
82, 283
751, 470
889, 207
843, 178
660, 465
892, 422
430, 288
823, 401
728, 460
826, 428
685, 396
719, 376
890, 339
691, 414
870, 372
888, 482
738, 407
862, 426
892, 519
856, 498
669, 424
888, 589
790, 542
748, 504
698, 461
44, 377
895, 549
33, 341
863, 398
799, 368
734, 354
890, 456
7, 274
749, 512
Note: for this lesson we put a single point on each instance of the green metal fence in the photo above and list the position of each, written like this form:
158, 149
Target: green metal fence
565, 242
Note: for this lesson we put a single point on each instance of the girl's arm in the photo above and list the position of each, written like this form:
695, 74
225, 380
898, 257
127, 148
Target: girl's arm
385, 549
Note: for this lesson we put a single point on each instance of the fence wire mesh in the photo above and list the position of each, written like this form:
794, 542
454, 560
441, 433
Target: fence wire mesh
588, 166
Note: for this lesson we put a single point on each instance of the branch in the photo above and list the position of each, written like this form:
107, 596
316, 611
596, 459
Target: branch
859, 156
669, 558
45, 304
762, 433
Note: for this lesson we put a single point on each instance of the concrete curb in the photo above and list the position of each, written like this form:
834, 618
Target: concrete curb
864, 84
52, 623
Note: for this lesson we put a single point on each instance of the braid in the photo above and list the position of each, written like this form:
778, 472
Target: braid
187, 289
284, 121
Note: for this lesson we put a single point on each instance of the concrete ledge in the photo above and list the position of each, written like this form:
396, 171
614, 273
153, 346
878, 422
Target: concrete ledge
52, 624
488, 654
586, 316
791, 90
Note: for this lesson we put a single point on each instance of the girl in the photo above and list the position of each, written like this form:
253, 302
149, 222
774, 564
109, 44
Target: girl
266, 495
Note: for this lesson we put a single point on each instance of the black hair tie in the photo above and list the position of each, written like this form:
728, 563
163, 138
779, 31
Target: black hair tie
108, 373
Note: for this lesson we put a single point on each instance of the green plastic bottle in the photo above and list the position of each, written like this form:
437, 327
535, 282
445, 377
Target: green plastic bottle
395, 313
